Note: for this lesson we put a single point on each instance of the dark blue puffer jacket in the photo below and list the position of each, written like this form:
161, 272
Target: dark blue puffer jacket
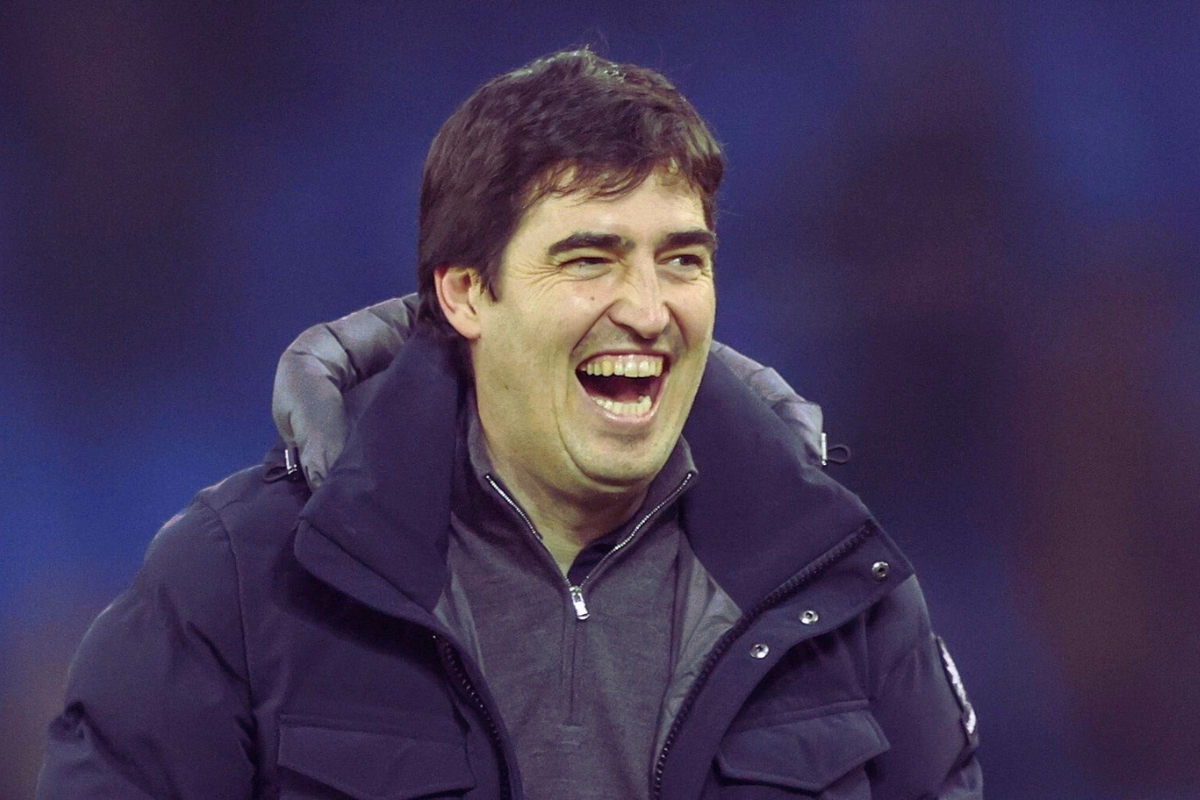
277, 644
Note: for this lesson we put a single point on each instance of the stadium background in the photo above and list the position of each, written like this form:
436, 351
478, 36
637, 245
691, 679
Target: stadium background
967, 229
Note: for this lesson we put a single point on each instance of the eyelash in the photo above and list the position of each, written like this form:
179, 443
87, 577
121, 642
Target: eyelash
587, 261
685, 259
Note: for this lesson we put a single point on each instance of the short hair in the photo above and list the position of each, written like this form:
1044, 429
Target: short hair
568, 122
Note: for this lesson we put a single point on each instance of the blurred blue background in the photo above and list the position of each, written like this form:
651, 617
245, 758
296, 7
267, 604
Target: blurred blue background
968, 230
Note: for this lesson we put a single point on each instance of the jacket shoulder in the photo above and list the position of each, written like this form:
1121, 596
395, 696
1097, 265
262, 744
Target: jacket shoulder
254, 502
197, 559
200, 548
172, 647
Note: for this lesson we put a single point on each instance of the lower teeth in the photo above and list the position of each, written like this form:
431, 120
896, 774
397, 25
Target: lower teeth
624, 409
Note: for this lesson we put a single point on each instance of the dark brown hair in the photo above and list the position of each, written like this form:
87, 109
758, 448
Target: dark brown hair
574, 116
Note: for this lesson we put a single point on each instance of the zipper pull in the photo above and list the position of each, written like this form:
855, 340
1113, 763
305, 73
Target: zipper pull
581, 611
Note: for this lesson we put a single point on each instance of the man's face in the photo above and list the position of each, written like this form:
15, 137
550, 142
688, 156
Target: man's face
587, 363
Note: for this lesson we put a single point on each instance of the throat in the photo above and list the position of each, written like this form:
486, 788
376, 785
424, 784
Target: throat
566, 524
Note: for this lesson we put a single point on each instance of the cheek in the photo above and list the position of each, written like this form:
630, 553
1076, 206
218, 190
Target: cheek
582, 301
696, 311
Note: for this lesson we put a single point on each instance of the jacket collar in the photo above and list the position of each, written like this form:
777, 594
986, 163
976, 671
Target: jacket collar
763, 509
381, 516
379, 523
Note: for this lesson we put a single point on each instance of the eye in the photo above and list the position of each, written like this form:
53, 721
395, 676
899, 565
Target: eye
586, 266
687, 264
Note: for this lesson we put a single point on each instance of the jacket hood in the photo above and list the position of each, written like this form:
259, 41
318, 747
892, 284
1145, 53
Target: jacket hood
379, 523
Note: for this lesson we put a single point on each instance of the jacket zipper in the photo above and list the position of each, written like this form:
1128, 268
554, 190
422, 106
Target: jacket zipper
452, 663
790, 587
576, 592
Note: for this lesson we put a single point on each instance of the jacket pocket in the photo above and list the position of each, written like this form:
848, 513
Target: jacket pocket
813, 755
370, 765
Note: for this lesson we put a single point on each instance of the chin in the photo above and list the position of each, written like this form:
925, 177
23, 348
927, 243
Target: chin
626, 473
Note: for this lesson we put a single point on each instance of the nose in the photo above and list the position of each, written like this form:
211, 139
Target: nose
640, 307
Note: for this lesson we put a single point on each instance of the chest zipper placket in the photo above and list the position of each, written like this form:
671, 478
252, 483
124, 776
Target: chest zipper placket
576, 592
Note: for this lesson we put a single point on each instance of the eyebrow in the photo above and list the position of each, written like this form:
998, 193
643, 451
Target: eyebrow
591, 241
699, 236
586, 240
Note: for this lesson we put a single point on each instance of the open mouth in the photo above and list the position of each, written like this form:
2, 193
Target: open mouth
625, 385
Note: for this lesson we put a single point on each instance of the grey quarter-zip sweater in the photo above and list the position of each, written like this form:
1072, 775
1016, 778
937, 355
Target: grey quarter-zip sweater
580, 663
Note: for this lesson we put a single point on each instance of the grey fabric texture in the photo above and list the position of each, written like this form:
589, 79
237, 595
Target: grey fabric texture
582, 699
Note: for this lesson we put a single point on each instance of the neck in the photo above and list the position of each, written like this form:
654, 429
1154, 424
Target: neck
568, 522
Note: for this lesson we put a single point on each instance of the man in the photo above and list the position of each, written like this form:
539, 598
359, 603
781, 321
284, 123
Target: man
551, 560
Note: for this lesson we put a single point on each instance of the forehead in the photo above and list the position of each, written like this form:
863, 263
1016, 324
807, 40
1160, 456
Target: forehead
663, 202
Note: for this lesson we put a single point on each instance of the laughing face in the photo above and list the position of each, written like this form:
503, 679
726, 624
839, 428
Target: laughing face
587, 361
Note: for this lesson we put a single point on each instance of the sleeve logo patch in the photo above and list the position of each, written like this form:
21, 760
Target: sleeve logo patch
969, 720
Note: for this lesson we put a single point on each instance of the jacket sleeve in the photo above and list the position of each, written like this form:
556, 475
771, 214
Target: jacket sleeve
919, 701
157, 700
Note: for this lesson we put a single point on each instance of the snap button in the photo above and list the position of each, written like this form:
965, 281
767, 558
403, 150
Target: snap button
809, 617
880, 570
759, 651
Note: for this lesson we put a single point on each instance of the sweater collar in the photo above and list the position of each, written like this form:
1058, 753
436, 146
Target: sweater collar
478, 504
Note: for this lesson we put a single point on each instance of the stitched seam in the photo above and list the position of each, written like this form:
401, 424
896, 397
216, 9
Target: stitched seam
357, 375
237, 577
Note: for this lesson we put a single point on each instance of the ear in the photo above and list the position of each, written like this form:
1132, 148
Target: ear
460, 292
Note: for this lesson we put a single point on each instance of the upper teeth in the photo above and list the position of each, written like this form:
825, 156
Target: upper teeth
632, 366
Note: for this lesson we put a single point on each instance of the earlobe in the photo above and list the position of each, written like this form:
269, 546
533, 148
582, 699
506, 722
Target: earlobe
459, 292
